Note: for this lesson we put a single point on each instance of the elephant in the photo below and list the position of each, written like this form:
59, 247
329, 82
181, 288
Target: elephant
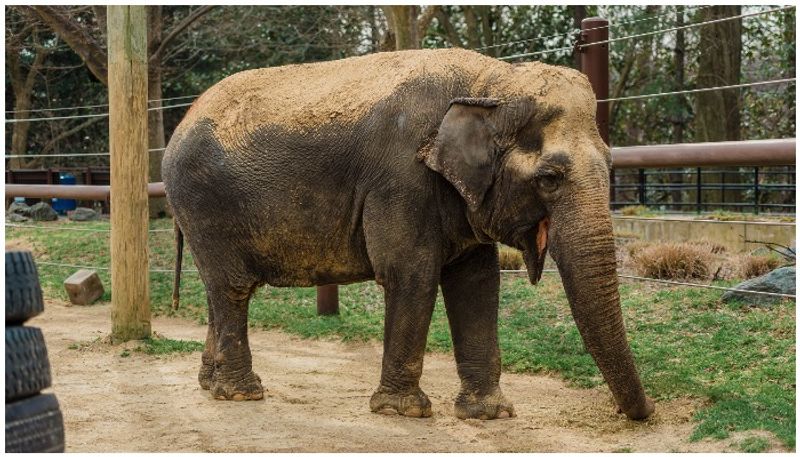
406, 168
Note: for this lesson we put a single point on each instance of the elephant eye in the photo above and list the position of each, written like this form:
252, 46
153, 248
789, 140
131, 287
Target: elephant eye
548, 181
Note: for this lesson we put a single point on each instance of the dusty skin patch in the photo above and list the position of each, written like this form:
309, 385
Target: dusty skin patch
318, 400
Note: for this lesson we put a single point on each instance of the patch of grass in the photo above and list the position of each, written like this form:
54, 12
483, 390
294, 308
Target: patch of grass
685, 341
125, 353
755, 444
722, 215
164, 346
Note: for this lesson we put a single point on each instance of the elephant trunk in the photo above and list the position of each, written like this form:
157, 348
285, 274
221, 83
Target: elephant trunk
582, 244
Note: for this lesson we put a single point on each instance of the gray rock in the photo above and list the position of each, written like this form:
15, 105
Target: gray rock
20, 208
43, 212
82, 215
16, 217
780, 281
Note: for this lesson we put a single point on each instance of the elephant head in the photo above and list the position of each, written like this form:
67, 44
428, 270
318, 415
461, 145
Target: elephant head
534, 173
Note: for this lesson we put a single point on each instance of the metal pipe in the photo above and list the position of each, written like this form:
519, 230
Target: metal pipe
58, 191
724, 153
79, 192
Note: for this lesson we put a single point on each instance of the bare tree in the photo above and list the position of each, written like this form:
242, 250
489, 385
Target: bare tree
87, 39
24, 41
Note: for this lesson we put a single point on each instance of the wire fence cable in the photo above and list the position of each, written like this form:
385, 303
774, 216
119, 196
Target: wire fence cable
86, 116
704, 89
678, 283
576, 31
84, 267
76, 229
688, 26
104, 105
76, 154
638, 278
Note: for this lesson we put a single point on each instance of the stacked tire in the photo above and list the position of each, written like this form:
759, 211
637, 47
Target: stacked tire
33, 420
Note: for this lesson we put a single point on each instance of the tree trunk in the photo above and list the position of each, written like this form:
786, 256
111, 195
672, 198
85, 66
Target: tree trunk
487, 26
19, 134
473, 39
22, 87
679, 121
718, 113
155, 118
403, 22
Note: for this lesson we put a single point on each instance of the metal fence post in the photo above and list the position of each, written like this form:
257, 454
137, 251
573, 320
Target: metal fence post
594, 63
642, 187
699, 191
756, 190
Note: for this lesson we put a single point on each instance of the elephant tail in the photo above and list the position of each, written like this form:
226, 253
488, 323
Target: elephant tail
176, 287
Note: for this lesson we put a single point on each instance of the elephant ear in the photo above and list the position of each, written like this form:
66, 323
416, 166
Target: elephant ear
462, 149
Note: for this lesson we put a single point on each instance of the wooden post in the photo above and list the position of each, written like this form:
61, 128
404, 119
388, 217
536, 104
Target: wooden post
594, 63
327, 300
127, 96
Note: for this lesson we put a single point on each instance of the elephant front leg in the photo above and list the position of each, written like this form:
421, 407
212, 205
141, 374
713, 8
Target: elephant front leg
470, 288
205, 377
409, 305
232, 376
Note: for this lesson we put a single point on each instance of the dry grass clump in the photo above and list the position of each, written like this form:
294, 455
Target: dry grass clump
510, 258
751, 266
673, 261
634, 210
711, 246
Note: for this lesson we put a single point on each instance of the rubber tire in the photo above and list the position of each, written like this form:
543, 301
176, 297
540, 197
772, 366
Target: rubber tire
23, 292
27, 366
34, 425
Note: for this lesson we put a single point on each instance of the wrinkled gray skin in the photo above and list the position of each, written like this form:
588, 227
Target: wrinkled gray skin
413, 192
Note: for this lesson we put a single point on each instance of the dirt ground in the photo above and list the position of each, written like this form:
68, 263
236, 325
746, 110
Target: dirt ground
317, 400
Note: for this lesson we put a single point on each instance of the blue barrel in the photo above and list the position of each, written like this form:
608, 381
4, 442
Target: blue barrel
62, 205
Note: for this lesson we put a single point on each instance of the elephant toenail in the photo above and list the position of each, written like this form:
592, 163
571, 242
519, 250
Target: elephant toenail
503, 415
237, 397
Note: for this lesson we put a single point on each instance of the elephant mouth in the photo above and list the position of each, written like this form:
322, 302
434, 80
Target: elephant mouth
535, 249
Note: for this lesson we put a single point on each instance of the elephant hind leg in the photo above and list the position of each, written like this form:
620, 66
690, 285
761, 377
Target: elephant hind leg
232, 377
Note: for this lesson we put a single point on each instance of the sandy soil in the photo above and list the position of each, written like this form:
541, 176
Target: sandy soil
317, 400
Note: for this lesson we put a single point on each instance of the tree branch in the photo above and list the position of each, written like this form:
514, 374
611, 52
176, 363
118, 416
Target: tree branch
38, 61
100, 16
155, 57
91, 52
67, 133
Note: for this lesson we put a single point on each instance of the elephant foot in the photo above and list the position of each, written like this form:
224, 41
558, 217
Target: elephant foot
247, 388
470, 405
640, 412
412, 404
